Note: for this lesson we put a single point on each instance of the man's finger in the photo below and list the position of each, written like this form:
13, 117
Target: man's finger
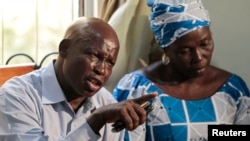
145, 98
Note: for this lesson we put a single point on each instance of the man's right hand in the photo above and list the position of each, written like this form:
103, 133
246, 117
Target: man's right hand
129, 111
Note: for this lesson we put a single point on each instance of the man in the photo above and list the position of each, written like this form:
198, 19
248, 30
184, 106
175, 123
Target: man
66, 100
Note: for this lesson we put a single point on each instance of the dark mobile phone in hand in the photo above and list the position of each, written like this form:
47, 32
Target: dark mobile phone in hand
119, 125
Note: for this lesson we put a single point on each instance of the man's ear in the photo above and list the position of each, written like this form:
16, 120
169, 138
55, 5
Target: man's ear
64, 47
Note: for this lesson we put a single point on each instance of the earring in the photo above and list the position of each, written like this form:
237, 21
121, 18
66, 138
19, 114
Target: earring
165, 59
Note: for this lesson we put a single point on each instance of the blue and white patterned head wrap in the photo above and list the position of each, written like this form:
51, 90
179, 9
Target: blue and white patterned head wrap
171, 19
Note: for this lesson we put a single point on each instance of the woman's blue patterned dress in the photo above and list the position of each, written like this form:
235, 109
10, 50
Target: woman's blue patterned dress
185, 120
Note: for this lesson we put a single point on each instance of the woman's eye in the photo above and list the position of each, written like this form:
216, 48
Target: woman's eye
205, 44
184, 51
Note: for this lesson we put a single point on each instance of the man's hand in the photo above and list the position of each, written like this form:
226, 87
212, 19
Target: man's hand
129, 111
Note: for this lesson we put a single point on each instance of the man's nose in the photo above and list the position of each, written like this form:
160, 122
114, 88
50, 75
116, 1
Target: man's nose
100, 68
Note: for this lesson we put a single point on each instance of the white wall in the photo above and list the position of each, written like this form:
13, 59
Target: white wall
231, 32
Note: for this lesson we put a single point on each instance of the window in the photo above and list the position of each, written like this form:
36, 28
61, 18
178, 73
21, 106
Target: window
33, 27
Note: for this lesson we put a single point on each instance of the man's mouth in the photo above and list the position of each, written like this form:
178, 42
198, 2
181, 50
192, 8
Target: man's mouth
94, 83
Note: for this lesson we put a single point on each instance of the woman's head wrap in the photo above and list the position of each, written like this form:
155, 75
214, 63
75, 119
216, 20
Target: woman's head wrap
171, 19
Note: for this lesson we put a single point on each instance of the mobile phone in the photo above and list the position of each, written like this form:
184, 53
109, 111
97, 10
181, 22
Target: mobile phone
119, 125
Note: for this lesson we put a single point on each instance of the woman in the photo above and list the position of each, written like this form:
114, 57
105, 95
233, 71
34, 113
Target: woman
191, 92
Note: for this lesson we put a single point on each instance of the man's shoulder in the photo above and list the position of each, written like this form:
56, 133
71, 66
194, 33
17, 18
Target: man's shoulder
22, 85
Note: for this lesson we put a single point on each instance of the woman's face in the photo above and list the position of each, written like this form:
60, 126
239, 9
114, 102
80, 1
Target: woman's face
191, 54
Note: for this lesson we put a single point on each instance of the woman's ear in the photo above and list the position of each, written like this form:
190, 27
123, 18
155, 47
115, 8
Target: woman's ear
64, 47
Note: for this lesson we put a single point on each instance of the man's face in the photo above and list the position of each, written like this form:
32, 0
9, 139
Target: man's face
88, 65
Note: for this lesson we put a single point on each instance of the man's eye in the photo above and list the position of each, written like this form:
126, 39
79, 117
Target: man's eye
110, 63
204, 45
94, 57
99, 58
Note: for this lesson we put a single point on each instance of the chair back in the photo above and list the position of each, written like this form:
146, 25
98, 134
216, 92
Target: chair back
9, 71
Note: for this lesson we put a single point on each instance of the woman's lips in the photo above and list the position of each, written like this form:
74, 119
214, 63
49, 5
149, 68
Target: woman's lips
199, 70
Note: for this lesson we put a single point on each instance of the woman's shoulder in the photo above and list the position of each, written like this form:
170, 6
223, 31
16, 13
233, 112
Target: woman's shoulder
237, 82
233, 78
132, 85
133, 77
235, 86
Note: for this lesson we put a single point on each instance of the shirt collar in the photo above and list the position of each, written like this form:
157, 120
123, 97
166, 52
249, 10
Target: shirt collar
51, 90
